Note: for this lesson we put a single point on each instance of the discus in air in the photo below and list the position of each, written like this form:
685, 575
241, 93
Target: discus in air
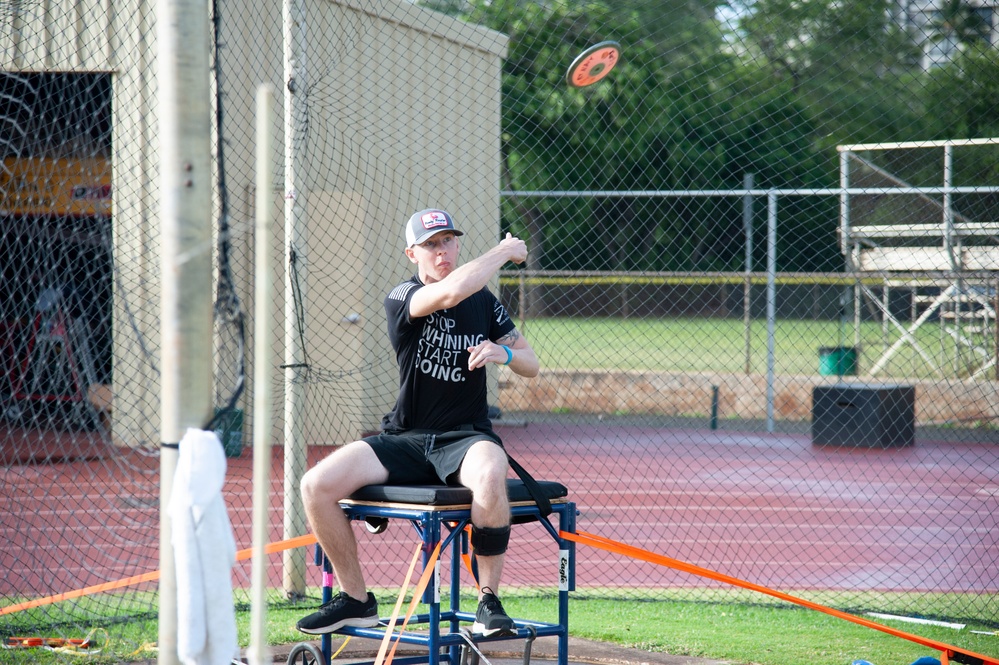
593, 64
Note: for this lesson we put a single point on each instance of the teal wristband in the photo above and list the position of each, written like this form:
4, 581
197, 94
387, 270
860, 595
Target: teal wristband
509, 354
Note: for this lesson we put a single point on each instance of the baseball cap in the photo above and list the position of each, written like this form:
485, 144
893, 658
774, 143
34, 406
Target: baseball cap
426, 223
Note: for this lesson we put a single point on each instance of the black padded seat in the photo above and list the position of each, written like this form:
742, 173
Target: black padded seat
445, 495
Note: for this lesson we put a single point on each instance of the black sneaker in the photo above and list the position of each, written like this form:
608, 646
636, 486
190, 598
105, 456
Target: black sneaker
341, 611
491, 619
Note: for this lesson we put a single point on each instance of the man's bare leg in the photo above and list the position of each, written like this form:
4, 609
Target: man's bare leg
339, 475
484, 471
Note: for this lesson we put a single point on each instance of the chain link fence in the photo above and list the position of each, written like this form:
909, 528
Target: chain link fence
765, 218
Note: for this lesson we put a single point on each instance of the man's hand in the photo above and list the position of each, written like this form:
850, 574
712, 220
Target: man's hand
515, 247
486, 352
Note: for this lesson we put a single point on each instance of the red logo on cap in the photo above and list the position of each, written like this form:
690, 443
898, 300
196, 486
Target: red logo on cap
432, 220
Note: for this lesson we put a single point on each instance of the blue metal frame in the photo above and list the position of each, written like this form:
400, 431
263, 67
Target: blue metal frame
428, 521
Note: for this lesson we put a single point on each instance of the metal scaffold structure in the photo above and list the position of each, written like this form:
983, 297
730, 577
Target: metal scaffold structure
945, 258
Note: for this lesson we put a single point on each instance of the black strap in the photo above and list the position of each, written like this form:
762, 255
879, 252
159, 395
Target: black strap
533, 488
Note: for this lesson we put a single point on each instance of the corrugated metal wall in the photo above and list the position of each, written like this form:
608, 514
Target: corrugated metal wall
60, 35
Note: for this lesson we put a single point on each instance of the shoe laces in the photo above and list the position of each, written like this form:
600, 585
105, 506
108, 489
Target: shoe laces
491, 603
339, 599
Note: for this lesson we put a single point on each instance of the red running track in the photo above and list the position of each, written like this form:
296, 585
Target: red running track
775, 510
768, 508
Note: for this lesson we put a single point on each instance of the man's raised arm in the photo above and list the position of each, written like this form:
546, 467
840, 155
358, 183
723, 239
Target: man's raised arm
467, 279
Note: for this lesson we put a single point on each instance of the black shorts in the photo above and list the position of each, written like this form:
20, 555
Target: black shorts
418, 457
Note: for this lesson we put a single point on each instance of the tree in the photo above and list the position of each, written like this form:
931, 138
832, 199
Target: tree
849, 62
958, 22
679, 112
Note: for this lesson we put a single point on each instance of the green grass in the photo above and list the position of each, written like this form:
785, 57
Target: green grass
718, 345
763, 633
739, 627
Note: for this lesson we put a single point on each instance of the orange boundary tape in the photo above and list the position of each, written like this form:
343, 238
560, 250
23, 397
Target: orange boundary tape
241, 555
947, 651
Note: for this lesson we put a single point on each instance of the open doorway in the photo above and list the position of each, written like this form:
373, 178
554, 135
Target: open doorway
55, 240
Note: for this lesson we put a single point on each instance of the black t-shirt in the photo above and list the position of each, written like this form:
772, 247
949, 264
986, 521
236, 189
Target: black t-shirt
436, 389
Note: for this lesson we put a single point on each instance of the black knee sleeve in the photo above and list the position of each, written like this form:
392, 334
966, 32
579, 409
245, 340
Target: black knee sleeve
490, 540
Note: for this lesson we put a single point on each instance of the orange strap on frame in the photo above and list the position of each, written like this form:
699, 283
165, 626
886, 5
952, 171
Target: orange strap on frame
398, 606
608, 545
428, 571
467, 558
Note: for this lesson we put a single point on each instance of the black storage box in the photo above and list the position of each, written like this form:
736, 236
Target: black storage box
864, 415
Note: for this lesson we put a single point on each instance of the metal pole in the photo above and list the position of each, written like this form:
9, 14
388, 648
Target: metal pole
296, 288
844, 207
747, 304
948, 212
185, 260
856, 315
747, 227
771, 301
714, 407
949, 248
849, 249
263, 352
886, 310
